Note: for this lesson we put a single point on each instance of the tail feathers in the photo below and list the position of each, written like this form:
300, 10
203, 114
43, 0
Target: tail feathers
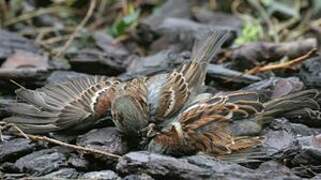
207, 46
303, 102
253, 155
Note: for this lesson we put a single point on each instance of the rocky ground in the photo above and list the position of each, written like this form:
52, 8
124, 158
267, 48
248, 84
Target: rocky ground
33, 56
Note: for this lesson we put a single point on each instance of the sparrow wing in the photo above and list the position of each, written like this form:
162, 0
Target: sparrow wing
186, 80
203, 126
54, 107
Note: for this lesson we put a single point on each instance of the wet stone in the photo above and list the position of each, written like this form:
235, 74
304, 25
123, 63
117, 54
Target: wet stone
10, 176
275, 170
79, 162
61, 76
310, 72
151, 64
276, 86
14, 148
160, 166
10, 42
172, 8
181, 33
106, 139
138, 177
68, 173
101, 175
278, 141
228, 21
296, 128
41, 162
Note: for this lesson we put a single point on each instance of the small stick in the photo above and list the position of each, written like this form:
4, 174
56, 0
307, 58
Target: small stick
54, 141
17, 84
284, 65
78, 28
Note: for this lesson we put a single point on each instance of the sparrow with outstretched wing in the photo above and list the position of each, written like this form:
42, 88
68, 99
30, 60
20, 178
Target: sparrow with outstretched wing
157, 98
73, 105
204, 126
169, 93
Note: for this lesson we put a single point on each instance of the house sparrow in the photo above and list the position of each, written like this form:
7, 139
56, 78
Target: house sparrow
205, 125
168, 93
157, 98
73, 105
130, 107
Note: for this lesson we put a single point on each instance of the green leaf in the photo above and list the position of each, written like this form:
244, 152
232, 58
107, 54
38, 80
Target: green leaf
252, 31
120, 26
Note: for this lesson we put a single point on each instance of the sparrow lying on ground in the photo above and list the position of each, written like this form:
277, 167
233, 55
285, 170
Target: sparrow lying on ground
158, 98
205, 126
79, 103
73, 105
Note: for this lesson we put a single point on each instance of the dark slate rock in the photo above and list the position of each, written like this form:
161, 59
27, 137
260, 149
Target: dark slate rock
227, 170
160, 166
138, 177
181, 33
275, 170
11, 42
310, 72
94, 61
276, 86
101, 175
295, 128
41, 162
10, 176
106, 139
79, 162
15, 148
108, 45
67, 173
220, 72
152, 64
317, 177
217, 166
61, 76
221, 19
172, 8
277, 141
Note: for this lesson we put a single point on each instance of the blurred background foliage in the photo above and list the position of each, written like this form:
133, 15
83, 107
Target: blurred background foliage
50, 22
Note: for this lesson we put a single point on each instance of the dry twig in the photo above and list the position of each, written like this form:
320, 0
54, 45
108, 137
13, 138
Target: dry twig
78, 28
55, 141
285, 65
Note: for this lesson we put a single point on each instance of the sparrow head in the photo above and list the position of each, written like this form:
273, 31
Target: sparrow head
129, 115
130, 108
170, 141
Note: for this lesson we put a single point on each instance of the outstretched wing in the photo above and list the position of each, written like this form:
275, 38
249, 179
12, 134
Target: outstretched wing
186, 80
74, 104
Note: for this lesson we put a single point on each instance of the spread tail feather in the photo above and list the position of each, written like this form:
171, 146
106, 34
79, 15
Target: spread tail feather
300, 104
207, 46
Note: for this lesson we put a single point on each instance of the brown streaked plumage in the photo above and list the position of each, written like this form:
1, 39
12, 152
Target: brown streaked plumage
169, 93
75, 104
204, 126
130, 108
